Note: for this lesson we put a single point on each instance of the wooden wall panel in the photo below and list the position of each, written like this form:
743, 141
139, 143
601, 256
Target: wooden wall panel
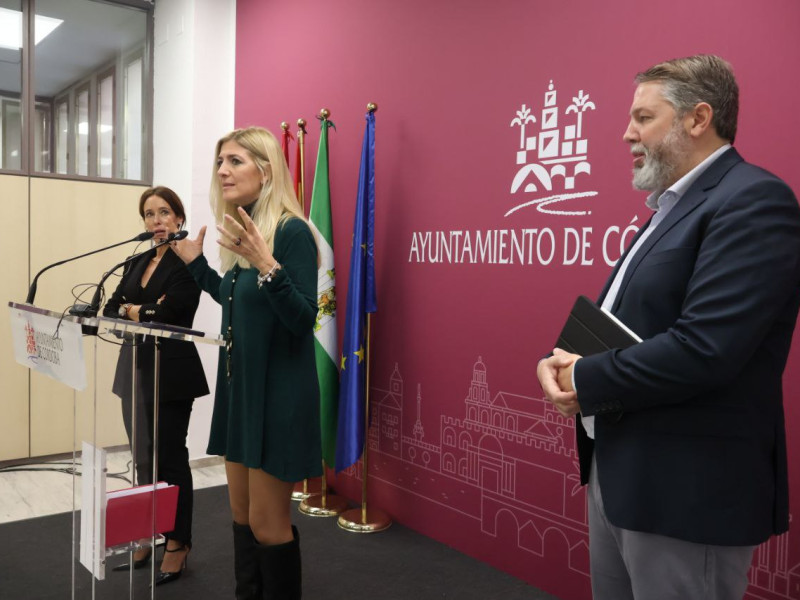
69, 218
14, 284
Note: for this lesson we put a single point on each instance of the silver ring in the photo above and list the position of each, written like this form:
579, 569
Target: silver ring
237, 242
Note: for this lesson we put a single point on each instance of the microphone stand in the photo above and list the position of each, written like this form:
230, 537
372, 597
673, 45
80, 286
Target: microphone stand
91, 309
32, 290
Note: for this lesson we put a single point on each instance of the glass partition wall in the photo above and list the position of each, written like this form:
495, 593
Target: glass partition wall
86, 66
11, 84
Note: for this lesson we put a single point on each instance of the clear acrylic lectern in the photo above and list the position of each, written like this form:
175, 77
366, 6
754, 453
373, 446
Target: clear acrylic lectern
104, 522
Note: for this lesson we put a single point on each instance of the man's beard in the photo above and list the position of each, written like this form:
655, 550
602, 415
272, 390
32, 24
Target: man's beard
661, 161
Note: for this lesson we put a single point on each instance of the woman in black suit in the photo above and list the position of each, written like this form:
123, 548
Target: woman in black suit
158, 287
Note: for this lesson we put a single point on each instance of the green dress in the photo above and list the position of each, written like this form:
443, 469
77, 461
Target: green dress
266, 408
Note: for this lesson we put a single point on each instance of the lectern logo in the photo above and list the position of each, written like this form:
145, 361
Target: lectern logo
553, 161
30, 342
40, 346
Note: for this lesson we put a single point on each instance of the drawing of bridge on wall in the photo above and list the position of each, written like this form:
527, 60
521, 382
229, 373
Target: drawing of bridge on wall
509, 462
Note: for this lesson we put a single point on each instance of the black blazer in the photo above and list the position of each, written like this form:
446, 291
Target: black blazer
182, 374
689, 435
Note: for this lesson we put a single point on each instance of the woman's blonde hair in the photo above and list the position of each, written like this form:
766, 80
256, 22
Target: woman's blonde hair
276, 202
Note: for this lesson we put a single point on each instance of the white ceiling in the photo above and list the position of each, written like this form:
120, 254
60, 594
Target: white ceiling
92, 35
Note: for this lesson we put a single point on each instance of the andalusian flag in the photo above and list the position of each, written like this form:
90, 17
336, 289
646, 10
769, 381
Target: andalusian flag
325, 342
361, 299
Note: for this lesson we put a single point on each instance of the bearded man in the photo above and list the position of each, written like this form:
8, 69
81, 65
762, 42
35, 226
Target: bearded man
681, 437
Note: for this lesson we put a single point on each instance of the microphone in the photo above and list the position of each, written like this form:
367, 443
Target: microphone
145, 235
91, 309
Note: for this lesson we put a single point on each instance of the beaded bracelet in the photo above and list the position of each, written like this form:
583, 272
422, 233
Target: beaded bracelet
260, 279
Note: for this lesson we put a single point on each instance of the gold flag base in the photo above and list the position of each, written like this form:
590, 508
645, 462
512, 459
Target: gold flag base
358, 520
307, 487
318, 506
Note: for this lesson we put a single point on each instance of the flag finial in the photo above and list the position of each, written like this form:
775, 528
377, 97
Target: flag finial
324, 113
372, 107
301, 123
284, 125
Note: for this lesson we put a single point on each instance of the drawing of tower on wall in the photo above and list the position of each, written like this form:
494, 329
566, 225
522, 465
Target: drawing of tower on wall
510, 462
771, 576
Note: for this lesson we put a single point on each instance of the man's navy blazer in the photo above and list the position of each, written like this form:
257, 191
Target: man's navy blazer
689, 435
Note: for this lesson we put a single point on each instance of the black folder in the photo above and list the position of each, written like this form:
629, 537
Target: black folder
590, 330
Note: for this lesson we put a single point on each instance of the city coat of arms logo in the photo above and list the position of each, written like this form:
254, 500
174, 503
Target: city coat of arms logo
554, 161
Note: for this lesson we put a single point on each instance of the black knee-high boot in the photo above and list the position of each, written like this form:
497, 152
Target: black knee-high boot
281, 573
245, 563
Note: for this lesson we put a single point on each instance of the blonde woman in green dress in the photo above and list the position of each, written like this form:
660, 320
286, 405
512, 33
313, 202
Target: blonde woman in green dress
266, 409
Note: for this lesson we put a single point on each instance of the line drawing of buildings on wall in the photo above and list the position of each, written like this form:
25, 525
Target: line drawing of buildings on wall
510, 463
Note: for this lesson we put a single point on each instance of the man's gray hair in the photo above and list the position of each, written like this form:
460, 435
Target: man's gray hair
701, 78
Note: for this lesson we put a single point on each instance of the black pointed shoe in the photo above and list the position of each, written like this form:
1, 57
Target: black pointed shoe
163, 577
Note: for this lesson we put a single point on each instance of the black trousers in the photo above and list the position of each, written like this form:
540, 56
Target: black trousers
173, 456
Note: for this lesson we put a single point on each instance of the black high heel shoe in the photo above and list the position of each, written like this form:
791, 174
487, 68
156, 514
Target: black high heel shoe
137, 563
165, 576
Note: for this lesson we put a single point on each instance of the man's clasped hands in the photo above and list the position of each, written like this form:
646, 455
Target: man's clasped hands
555, 377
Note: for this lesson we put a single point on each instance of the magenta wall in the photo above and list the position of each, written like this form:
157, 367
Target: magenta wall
465, 450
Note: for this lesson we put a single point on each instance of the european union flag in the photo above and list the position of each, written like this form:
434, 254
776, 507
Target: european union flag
361, 299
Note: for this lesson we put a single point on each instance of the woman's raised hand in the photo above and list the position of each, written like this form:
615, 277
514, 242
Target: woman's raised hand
246, 241
189, 249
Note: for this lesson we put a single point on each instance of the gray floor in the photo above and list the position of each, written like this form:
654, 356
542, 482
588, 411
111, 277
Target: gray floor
393, 565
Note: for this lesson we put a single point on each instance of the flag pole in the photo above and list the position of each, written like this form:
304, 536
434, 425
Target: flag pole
301, 142
322, 504
306, 488
364, 519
